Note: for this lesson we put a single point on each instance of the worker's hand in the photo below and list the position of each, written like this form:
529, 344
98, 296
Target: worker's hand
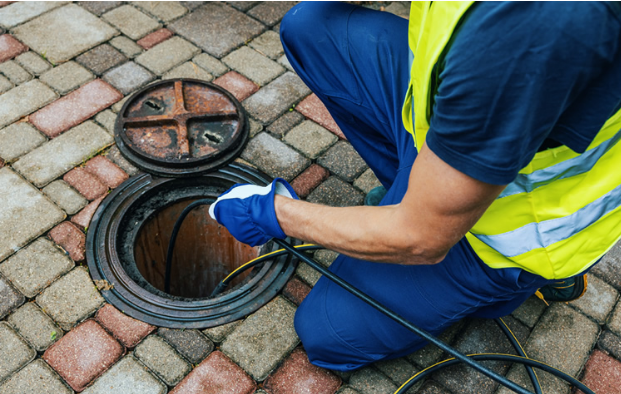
247, 211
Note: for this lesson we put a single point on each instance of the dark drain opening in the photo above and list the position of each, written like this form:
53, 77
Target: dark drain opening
204, 254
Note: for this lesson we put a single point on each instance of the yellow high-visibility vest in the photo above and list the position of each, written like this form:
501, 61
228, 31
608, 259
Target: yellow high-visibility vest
563, 210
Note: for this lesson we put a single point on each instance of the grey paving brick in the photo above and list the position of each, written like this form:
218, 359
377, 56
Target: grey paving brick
64, 33
67, 77
35, 326
65, 196
609, 268
167, 55
33, 63
23, 100
36, 266
271, 12
563, 338
614, 324
255, 127
106, 119
191, 344
307, 274
370, 381
399, 370
431, 354
188, 70
310, 139
20, 12
530, 311
336, 193
268, 44
131, 22
598, 300
101, 58
14, 352
263, 339
274, 157
210, 64
127, 47
549, 383
275, 99
431, 387
285, 123
217, 28
70, 299
347, 390
325, 256
219, 333
37, 375
367, 181
14, 72
119, 105
343, 160
128, 77
5, 84
99, 7
25, 213
161, 358
117, 158
610, 343
253, 65
165, 11
243, 5
480, 336
285, 63
9, 298
19, 139
127, 376
55, 157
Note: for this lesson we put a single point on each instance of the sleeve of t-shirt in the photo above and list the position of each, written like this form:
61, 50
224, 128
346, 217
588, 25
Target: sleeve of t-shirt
511, 71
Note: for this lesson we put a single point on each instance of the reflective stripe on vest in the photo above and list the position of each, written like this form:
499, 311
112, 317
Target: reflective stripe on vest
563, 210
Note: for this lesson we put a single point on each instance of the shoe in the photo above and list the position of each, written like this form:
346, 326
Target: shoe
564, 290
374, 197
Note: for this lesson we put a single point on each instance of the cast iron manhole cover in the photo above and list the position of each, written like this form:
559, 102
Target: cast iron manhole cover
181, 127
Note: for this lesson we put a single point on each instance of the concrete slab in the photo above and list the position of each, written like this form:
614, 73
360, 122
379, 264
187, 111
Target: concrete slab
131, 22
54, 158
127, 376
35, 267
367, 181
598, 300
255, 66
274, 157
128, 77
14, 352
371, 381
23, 100
312, 140
19, 139
191, 344
33, 62
36, 374
14, 72
67, 77
23, 11
188, 70
276, 98
35, 326
165, 11
9, 298
263, 339
25, 213
210, 64
336, 193
64, 33
65, 196
268, 44
167, 55
71, 299
161, 358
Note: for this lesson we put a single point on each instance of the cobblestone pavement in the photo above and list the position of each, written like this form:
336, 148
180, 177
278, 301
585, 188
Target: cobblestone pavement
65, 69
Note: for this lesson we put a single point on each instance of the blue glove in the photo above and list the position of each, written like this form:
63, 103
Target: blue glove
247, 211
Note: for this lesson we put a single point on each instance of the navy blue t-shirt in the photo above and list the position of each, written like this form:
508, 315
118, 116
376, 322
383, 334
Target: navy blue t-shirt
521, 76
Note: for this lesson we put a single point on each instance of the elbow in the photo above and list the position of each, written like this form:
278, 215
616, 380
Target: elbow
426, 250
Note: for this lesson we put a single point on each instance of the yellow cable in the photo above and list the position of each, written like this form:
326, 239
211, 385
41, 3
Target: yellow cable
260, 257
520, 345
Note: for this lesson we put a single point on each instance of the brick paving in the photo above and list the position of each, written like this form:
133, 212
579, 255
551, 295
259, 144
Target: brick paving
67, 68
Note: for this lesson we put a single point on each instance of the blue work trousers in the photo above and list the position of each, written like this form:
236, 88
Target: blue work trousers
356, 61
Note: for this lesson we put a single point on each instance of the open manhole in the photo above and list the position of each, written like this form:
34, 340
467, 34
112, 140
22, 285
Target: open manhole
162, 129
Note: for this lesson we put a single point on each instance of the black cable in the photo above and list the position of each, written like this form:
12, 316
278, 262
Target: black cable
173, 238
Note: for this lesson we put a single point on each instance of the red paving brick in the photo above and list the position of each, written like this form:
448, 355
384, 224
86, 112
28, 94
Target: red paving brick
151, 40
83, 354
74, 108
4, 3
240, 86
125, 329
602, 374
217, 374
309, 180
10, 47
83, 218
86, 183
70, 238
298, 375
313, 108
296, 290
108, 173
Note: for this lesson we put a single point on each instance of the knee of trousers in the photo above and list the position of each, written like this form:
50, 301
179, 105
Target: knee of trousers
299, 26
